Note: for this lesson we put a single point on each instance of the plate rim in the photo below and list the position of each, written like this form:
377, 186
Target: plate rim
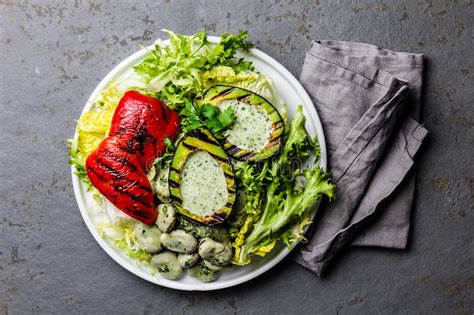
170, 283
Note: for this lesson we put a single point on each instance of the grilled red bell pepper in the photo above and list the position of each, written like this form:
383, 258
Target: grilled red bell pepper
143, 122
118, 175
117, 168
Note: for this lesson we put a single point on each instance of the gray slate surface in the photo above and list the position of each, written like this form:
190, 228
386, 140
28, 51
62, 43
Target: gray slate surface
53, 54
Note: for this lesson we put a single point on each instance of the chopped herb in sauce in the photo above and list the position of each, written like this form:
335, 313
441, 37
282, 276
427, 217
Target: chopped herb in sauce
252, 126
203, 184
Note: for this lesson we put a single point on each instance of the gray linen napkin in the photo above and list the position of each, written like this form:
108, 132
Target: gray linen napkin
368, 99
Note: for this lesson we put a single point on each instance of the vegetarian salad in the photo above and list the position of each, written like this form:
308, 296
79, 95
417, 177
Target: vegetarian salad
194, 162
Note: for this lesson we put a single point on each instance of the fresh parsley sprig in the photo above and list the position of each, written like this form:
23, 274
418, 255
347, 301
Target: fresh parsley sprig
195, 116
217, 120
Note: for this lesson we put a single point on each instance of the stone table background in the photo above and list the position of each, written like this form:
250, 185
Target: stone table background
54, 53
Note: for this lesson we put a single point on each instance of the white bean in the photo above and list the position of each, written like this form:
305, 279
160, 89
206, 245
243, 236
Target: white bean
179, 242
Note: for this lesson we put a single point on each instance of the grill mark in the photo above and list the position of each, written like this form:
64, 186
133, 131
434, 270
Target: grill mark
247, 156
125, 182
145, 188
223, 93
243, 97
173, 184
278, 125
175, 171
274, 142
209, 220
139, 139
228, 145
202, 136
134, 183
138, 135
125, 161
234, 151
192, 148
218, 217
218, 157
109, 169
138, 212
274, 137
90, 169
188, 146
129, 167
136, 198
176, 198
228, 176
123, 146
131, 122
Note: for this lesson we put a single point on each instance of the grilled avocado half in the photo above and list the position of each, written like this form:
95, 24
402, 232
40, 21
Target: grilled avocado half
201, 178
257, 133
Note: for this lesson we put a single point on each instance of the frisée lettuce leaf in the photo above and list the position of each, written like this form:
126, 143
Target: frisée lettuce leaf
286, 195
174, 70
283, 207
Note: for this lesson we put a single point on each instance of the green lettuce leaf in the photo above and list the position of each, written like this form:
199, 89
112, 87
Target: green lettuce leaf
174, 71
287, 196
283, 208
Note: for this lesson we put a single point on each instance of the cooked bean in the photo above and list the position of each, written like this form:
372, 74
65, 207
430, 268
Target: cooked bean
179, 241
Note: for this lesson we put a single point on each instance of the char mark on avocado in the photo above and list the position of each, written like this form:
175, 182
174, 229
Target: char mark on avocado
258, 123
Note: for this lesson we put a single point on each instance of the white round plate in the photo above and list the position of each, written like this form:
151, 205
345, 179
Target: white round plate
292, 93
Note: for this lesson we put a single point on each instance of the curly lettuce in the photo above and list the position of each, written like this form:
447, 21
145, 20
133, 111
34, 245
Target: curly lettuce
283, 207
286, 195
174, 71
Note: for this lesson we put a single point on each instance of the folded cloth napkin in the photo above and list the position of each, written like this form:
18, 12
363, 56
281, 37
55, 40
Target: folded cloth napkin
368, 100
